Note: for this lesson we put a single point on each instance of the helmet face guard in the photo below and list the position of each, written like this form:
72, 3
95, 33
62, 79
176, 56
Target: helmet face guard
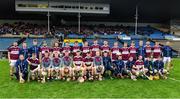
99, 69
78, 73
66, 70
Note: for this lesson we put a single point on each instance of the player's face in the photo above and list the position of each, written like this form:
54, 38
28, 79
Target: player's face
105, 54
157, 44
78, 53
33, 56
86, 43
75, 44
148, 59
67, 44
131, 58
21, 57
56, 44
159, 58
46, 54
95, 42
140, 57
147, 43
88, 54
97, 53
15, 44
24, 45
125, 44
116, 44
45, 44
119, 57
132, 44
140, 43
56, 55
66, 53
105, 43
34, 43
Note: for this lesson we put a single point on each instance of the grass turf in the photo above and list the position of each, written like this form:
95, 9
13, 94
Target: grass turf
99, 89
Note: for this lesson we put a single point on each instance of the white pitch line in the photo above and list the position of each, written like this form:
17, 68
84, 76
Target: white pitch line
174, 79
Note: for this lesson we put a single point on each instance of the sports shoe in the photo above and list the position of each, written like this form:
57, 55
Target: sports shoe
134, 79
68, 79
100, 79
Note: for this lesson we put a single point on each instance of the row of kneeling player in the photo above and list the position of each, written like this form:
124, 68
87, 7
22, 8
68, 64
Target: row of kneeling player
88, 68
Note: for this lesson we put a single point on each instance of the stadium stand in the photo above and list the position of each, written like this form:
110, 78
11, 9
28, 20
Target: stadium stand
18, 28
88, 32
6, 42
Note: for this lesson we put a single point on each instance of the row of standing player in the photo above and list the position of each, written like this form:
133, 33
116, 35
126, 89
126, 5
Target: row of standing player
126, 52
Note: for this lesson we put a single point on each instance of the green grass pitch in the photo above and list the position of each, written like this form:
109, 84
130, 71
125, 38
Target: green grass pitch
116, 88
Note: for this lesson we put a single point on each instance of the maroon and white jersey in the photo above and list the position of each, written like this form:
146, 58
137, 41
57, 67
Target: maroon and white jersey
125, 53
78, 60
67, 61
75, 49
34, 63
114, 51
46, 62
66, 48
148, 51
105, 48
94, 49
88, 61
156, 51
56, 62
85, 49
44, 49
56, 50
139, 64
133, 51
98, 61
14, 53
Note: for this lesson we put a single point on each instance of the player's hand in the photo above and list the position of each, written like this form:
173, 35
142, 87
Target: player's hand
33, 71
40, 61
29, 62
20, 74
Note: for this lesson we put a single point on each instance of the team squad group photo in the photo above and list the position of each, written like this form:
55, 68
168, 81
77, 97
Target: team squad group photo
89, 62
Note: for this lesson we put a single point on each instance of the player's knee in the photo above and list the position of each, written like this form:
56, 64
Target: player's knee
164, 71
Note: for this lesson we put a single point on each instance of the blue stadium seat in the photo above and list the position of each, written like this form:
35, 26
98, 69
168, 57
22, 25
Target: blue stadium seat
6, 42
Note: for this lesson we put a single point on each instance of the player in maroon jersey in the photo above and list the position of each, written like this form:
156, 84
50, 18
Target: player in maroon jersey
157, 51
85, 49
56, 49
13, 56
56, 63
67, 70
34, 66
148, 50
114, 51
105, 48
46, 66
95, 47
78, 67
98, 65
138, 68
125, 53
67, 47
88, 66
133, 50
75, 48
44, 49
